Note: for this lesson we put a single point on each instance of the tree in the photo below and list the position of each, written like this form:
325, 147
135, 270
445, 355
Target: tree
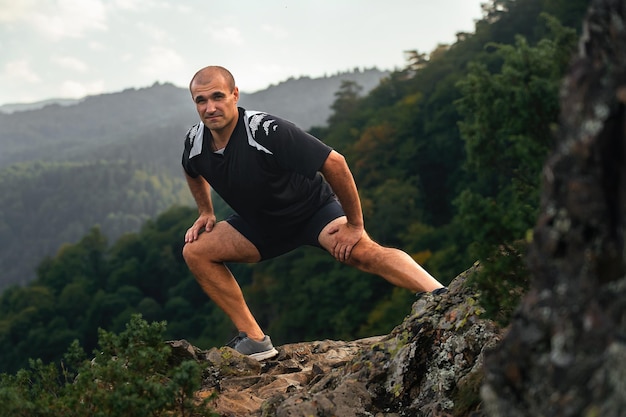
509, 117
84, 260
346, 100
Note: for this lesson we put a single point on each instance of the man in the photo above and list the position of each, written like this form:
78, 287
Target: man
287, 189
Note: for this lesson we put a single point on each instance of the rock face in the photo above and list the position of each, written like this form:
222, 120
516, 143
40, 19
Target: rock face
565, 354
430, 365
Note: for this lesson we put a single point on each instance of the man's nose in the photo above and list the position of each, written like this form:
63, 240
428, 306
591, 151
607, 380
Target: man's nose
210, 106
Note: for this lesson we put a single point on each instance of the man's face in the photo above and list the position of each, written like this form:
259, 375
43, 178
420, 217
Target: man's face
216, 104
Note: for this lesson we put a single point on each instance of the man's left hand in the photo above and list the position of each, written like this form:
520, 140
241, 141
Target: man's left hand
345, 236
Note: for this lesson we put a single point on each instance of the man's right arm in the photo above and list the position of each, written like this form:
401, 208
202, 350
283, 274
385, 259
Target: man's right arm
201, 192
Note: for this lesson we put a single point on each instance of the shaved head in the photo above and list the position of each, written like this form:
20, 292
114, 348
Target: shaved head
206, 74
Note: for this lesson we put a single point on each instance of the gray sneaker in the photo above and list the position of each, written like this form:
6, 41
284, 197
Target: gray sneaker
437, 291
256, 350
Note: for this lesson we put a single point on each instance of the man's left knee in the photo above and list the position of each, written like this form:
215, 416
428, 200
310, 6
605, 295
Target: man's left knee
366, 252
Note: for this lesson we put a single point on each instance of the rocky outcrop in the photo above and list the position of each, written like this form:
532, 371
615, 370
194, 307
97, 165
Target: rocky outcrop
565, 354
430, 365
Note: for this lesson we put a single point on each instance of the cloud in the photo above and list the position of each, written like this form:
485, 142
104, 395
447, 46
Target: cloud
96, 45
161, 63
70, 63
20, 71
15, 11
155, 33
56, 19
144, 6
76, 89
230, 35
275, 31
130, 4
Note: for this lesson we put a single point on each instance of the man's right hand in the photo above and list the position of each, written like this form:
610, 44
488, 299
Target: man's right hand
205, 222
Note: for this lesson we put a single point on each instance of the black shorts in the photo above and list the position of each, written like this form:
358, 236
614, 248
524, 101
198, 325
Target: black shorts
284, 241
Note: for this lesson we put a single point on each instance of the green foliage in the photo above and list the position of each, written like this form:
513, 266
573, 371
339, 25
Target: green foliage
502, 280
130, 375
508, 123
387, 313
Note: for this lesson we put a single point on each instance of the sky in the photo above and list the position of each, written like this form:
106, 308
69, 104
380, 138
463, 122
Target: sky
52, 49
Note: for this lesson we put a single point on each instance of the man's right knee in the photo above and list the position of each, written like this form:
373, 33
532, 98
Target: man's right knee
188, 252
223, 244
192, 252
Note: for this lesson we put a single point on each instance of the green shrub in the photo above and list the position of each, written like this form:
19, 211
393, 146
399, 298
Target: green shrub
501, 281
130, 375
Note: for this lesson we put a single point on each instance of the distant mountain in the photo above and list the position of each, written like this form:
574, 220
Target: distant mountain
306, 101
80, 132
13, 107
114, 160
83, 130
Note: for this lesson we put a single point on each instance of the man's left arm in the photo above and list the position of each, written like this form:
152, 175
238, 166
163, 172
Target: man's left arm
336, 171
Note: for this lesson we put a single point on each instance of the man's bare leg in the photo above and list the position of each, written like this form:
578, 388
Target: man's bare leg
394, 265
205, 258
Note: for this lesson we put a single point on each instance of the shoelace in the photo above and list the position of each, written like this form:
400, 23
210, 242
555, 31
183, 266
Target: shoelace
236, 340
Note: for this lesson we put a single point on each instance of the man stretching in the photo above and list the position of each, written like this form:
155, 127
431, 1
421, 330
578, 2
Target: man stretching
287, 189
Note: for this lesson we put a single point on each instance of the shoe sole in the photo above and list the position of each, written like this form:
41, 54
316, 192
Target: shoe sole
264, 355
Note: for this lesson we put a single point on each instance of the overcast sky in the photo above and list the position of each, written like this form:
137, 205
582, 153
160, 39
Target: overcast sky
73, 48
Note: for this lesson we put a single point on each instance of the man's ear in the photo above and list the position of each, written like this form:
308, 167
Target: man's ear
236, 93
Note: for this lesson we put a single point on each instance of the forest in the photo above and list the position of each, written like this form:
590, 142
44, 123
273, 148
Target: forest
447, 156
118, 196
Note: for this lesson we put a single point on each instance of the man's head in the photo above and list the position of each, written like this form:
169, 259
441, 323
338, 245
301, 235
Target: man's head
205, 74
214, 91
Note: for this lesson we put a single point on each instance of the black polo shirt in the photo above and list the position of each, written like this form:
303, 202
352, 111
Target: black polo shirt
268, 173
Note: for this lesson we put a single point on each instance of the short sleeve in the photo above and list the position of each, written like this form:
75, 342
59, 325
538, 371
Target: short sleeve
293, 148
187, 165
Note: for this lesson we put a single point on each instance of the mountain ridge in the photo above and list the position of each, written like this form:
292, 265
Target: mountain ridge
13, 107
61, 132
9, 108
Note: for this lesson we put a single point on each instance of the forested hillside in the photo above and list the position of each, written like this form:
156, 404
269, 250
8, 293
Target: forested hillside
46, 204
446, 154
